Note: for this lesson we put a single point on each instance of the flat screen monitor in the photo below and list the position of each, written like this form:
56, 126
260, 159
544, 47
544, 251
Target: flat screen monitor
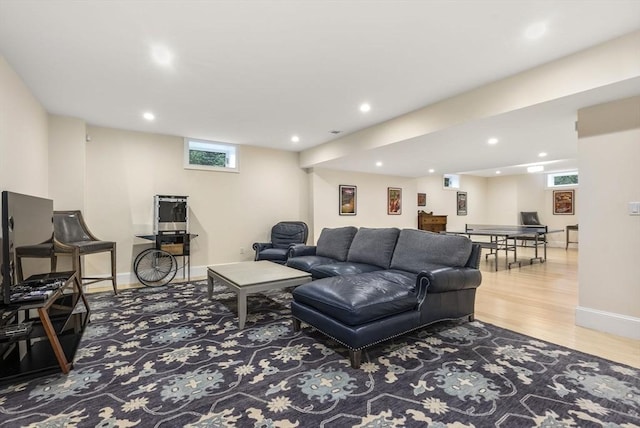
26, 221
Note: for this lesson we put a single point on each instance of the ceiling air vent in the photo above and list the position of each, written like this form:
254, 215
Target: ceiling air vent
335, 132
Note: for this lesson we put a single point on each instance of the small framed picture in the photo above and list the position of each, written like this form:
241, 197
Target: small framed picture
422, 199
394, 201
563, 202
348, 204
461, 201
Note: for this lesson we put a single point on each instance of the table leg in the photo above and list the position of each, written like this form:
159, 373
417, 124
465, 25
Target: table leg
65, 366
210, 285
515, 253
242, 309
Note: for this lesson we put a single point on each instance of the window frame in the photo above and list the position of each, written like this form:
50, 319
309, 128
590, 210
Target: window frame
232, 150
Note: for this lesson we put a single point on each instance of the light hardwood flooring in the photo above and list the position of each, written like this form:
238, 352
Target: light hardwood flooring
539, 300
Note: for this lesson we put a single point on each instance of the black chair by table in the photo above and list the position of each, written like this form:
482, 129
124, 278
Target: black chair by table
283, 235
71, 236
530, 218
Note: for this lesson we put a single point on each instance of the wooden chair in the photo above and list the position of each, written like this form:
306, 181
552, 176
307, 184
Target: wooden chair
71, 236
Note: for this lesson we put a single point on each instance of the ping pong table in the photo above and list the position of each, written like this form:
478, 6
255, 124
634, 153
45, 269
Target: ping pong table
505, 238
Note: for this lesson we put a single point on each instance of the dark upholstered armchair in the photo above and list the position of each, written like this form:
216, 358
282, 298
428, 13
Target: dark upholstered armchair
283, 235
530, 218
71, 236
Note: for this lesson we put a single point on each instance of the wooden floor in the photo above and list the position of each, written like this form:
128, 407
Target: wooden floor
540, 300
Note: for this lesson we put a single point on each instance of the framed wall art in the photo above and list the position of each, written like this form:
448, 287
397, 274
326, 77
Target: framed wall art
461, 202
394, 200
422, 199
563, 202
348, 204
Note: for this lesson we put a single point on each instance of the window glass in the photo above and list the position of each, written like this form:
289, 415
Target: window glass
210, 155
562, 179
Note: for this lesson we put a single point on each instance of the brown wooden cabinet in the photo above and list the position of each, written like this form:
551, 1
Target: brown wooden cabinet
432, 223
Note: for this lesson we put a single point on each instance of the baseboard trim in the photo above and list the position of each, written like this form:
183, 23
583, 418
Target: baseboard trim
608, 322
128, 280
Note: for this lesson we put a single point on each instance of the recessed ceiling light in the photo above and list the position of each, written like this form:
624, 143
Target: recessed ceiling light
378, 163
498, 172
542, 154
492, 141
364, 107
295, 139
431, 171
535, 168
149, 116
535, 30
161, 55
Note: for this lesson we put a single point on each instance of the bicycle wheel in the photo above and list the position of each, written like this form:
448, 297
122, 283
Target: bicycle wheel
155, 268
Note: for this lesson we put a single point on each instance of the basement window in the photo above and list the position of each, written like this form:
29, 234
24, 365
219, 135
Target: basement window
210, 155
451, 181
562, 179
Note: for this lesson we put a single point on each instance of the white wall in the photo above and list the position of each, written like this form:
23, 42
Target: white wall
442, 201
24, 154
609, 276
371, 200
229, 211
534, 195
67, 159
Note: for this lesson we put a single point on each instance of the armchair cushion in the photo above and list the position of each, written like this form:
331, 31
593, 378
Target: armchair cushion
530, 218
286, 233
69, 228
274, 254
334, 243
93, 246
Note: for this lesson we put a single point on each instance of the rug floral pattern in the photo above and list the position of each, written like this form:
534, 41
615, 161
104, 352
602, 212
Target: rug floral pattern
168, 357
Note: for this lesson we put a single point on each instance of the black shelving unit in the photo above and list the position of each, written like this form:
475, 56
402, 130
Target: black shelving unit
56, 327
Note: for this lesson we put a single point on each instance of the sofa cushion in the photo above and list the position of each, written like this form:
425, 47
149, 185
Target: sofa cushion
334, 243
417, 248
341, 268
306, 263
359, 299
373, 246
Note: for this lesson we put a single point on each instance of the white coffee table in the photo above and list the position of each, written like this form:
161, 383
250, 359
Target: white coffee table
252, 277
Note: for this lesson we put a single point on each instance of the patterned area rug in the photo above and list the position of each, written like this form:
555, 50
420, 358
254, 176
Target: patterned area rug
170, 357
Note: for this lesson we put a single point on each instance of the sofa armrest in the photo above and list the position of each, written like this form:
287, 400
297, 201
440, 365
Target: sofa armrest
298, 250
446, 279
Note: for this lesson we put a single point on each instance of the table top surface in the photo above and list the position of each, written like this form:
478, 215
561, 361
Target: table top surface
252, 273
492, 230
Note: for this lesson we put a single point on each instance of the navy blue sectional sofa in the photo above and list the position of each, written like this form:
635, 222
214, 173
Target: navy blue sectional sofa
371, 285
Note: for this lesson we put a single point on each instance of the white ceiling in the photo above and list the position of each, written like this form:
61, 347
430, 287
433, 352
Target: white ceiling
258, 72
